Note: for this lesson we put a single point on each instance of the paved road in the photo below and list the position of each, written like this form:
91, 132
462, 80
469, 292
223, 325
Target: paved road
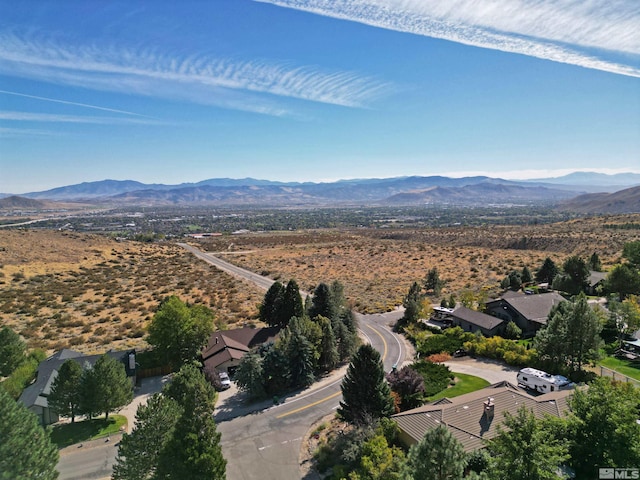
260, 281
92, 460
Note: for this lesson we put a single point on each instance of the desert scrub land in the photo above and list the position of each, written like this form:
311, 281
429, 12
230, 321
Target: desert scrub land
92, 293
377, 266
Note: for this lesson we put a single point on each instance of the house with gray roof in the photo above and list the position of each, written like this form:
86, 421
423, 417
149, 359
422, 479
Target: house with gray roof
34, 397
473, 321
473, 418
529, 312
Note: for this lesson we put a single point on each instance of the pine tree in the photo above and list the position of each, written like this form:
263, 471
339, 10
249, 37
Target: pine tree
526, 275
26, 450
291, 303
301, 362
437, 456
193, 451
365, 392
64, 398
113, 390
547, 272
249, 375
433, 282
322, 302
329, 357
275, 370
139, 452
12, 351
271, 306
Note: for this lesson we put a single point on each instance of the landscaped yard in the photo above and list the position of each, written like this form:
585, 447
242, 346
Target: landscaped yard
69, 433
463, 384
625, 367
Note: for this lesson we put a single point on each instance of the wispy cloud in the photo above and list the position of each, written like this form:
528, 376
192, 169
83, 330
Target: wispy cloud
587, 33
197, 78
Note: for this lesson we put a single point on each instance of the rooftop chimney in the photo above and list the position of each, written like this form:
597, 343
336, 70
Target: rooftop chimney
488, 408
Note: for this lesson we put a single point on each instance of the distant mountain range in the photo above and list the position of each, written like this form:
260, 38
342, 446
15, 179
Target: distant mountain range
414, 190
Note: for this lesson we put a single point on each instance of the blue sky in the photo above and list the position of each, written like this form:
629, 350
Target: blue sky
315, 90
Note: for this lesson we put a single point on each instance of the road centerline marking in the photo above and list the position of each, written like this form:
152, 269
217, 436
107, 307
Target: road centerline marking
291, 412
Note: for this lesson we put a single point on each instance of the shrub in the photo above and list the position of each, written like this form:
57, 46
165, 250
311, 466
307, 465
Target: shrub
436, 376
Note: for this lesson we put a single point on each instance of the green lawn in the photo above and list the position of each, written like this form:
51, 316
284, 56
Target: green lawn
464, 384
621, 366
69, 433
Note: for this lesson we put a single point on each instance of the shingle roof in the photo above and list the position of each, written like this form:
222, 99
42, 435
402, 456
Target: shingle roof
35, 394
477, 318
465, 415
535, 307
233, 344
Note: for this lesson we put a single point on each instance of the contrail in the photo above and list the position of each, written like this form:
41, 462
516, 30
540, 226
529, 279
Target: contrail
74, 103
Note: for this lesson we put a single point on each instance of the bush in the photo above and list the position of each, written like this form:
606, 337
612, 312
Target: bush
436, 376
21, 377
500, 348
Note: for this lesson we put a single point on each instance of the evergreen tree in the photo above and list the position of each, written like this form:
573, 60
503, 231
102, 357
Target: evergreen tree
412, 307
275, 370
193, 450
65, 394
300, 353
452, 301
437, 456
12, 351
594, 263
515, 280
571, 337
576, 274
631, 251
525, 450
139, 452
178, 332
433, 282
249, 375
512, 331
291, 303
113, 390
547, 272
526, 275
329, 357
270, 310
322, 302
365, 393
26, 450
338, 297
89, 392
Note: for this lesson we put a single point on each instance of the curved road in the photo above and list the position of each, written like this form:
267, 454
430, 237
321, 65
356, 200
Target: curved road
266, 444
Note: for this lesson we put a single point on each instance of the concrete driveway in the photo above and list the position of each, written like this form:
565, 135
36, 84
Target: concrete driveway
491, 370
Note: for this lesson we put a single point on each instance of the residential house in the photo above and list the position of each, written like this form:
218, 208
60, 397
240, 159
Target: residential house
472, 418
34, 397
529, 312
594, 280
226, 348
473, 321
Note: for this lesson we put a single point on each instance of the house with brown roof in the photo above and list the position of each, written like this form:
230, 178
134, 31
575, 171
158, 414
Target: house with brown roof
529, 312
473, 418
226, 348
473, 321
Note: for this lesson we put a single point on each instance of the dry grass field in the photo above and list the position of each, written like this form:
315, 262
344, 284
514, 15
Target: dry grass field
92, 293
378, 266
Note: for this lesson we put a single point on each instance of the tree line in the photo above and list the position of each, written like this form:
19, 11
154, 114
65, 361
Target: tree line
314, 338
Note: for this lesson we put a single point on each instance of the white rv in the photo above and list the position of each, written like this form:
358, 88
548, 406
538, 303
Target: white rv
543, 382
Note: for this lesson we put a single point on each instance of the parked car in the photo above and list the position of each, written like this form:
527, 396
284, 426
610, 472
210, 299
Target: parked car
225, 382
461, 352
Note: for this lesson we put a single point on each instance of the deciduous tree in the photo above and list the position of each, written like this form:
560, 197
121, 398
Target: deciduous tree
525, 450
249, 375
179, 332
409, 385
623, 280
